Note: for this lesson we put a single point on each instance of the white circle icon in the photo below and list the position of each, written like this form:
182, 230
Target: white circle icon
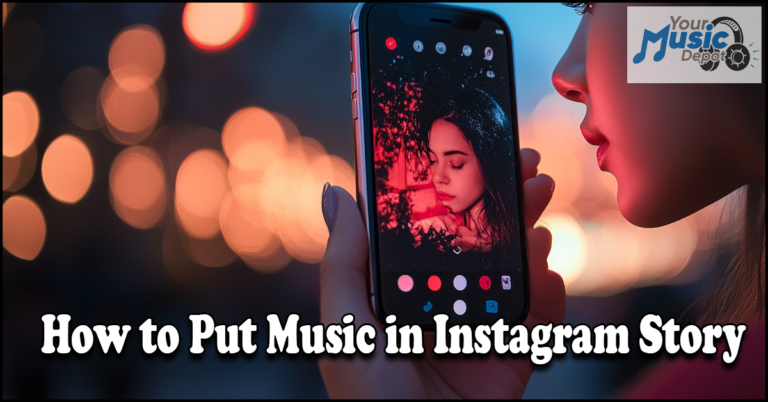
488, 54
467, 50
459, 307
418, 46
460, 282
440, 47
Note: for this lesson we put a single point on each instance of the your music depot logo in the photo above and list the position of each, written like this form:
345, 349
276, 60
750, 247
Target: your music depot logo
694, 45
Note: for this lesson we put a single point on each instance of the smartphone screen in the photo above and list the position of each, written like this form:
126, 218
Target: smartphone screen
449, 229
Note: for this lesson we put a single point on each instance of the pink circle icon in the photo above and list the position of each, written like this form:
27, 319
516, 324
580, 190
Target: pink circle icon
405, 283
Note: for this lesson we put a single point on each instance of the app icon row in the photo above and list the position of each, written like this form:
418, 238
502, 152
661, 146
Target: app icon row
440, 47
460, 307
434, 283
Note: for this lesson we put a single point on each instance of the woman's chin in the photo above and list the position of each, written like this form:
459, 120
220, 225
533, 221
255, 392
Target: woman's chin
643, 208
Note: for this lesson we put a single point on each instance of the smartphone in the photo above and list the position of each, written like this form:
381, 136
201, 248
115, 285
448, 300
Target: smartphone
438, 178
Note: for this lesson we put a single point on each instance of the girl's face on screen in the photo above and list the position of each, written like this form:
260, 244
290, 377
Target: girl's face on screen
455, 169
673, 148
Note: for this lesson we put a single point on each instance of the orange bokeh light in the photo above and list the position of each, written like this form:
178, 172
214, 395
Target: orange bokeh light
246, 233
79, 97
213, 252
277, 178
21, 121
252, 124
137, 187
201, 185
137, 57
131, 115
19, 169
67, 169
11, 168
217, 26
23, 227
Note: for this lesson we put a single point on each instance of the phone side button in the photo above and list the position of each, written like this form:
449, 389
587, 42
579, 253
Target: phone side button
354, 109
354, 83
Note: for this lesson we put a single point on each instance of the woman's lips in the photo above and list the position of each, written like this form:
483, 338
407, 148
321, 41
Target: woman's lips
597, 139
444, 196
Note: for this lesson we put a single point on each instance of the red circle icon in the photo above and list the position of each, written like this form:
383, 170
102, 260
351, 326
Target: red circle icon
434, 283
485, 282
391, 43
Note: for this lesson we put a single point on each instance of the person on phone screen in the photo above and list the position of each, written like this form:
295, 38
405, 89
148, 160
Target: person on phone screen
469, 148
673, 148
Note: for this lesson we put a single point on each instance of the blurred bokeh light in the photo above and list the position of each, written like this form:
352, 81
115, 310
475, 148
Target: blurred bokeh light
80, 95
21, 121
18, 170
217, 26
137, 57
67, 169
23, 227
201, 185
137, 187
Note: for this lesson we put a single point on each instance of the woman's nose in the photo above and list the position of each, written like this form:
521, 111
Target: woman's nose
570, 75
439, 176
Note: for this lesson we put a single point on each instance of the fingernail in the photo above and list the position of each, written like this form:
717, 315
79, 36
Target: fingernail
538, 155
329, 206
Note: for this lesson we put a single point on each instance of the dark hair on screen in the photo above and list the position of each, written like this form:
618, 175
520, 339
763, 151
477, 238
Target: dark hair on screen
488, 130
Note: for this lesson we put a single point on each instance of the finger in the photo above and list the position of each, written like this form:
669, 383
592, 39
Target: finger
537, 192
343, 285
547, 290
529, 162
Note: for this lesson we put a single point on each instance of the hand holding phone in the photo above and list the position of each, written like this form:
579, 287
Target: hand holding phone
344, 290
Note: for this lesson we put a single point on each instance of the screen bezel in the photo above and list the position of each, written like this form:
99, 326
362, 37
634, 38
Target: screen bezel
419, 15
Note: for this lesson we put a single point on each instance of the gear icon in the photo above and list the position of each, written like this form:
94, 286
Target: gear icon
737, 57
736, 61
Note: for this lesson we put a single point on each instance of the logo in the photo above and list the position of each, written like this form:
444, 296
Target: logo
440, 47
427, 307
506, 282
694, 45
418, 46
466, 50
491, 306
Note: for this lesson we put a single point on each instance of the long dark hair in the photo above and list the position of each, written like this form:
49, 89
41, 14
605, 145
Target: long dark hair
737, 293
488, 130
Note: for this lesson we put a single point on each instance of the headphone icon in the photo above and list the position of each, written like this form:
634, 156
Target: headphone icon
736, 55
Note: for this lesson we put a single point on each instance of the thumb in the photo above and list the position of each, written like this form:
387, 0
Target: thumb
343, 284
